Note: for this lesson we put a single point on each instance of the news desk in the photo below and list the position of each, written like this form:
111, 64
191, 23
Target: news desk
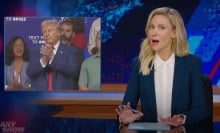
87, 104
96, 104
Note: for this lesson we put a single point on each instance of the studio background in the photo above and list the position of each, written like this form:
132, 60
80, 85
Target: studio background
122, 24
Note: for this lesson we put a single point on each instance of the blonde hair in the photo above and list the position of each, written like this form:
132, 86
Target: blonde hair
179, 43
98, 37
51, 22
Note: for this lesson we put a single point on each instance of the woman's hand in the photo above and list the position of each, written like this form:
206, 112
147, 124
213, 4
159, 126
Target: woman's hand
126, 115
175, 120
16, 85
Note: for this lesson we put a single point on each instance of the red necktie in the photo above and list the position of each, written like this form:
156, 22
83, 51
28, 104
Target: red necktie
50, 79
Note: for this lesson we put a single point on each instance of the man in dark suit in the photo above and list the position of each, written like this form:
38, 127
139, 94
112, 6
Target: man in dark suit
52, 65
67, 33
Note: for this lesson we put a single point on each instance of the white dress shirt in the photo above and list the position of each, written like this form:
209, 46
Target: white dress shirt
55, 47
163, 75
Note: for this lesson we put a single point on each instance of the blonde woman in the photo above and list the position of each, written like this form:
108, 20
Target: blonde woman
166, 78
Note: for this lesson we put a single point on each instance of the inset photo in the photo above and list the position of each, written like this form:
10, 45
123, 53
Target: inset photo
52, 53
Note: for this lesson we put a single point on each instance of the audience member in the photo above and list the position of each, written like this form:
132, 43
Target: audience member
16, 60
96, 27
67, 34
90, 71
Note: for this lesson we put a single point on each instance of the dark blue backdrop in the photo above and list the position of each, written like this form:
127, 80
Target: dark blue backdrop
123, 24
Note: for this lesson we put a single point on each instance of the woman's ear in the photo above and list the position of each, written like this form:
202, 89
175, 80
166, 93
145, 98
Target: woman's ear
173, 34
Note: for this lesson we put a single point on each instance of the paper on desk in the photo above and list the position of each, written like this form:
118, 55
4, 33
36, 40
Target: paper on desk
148, 126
